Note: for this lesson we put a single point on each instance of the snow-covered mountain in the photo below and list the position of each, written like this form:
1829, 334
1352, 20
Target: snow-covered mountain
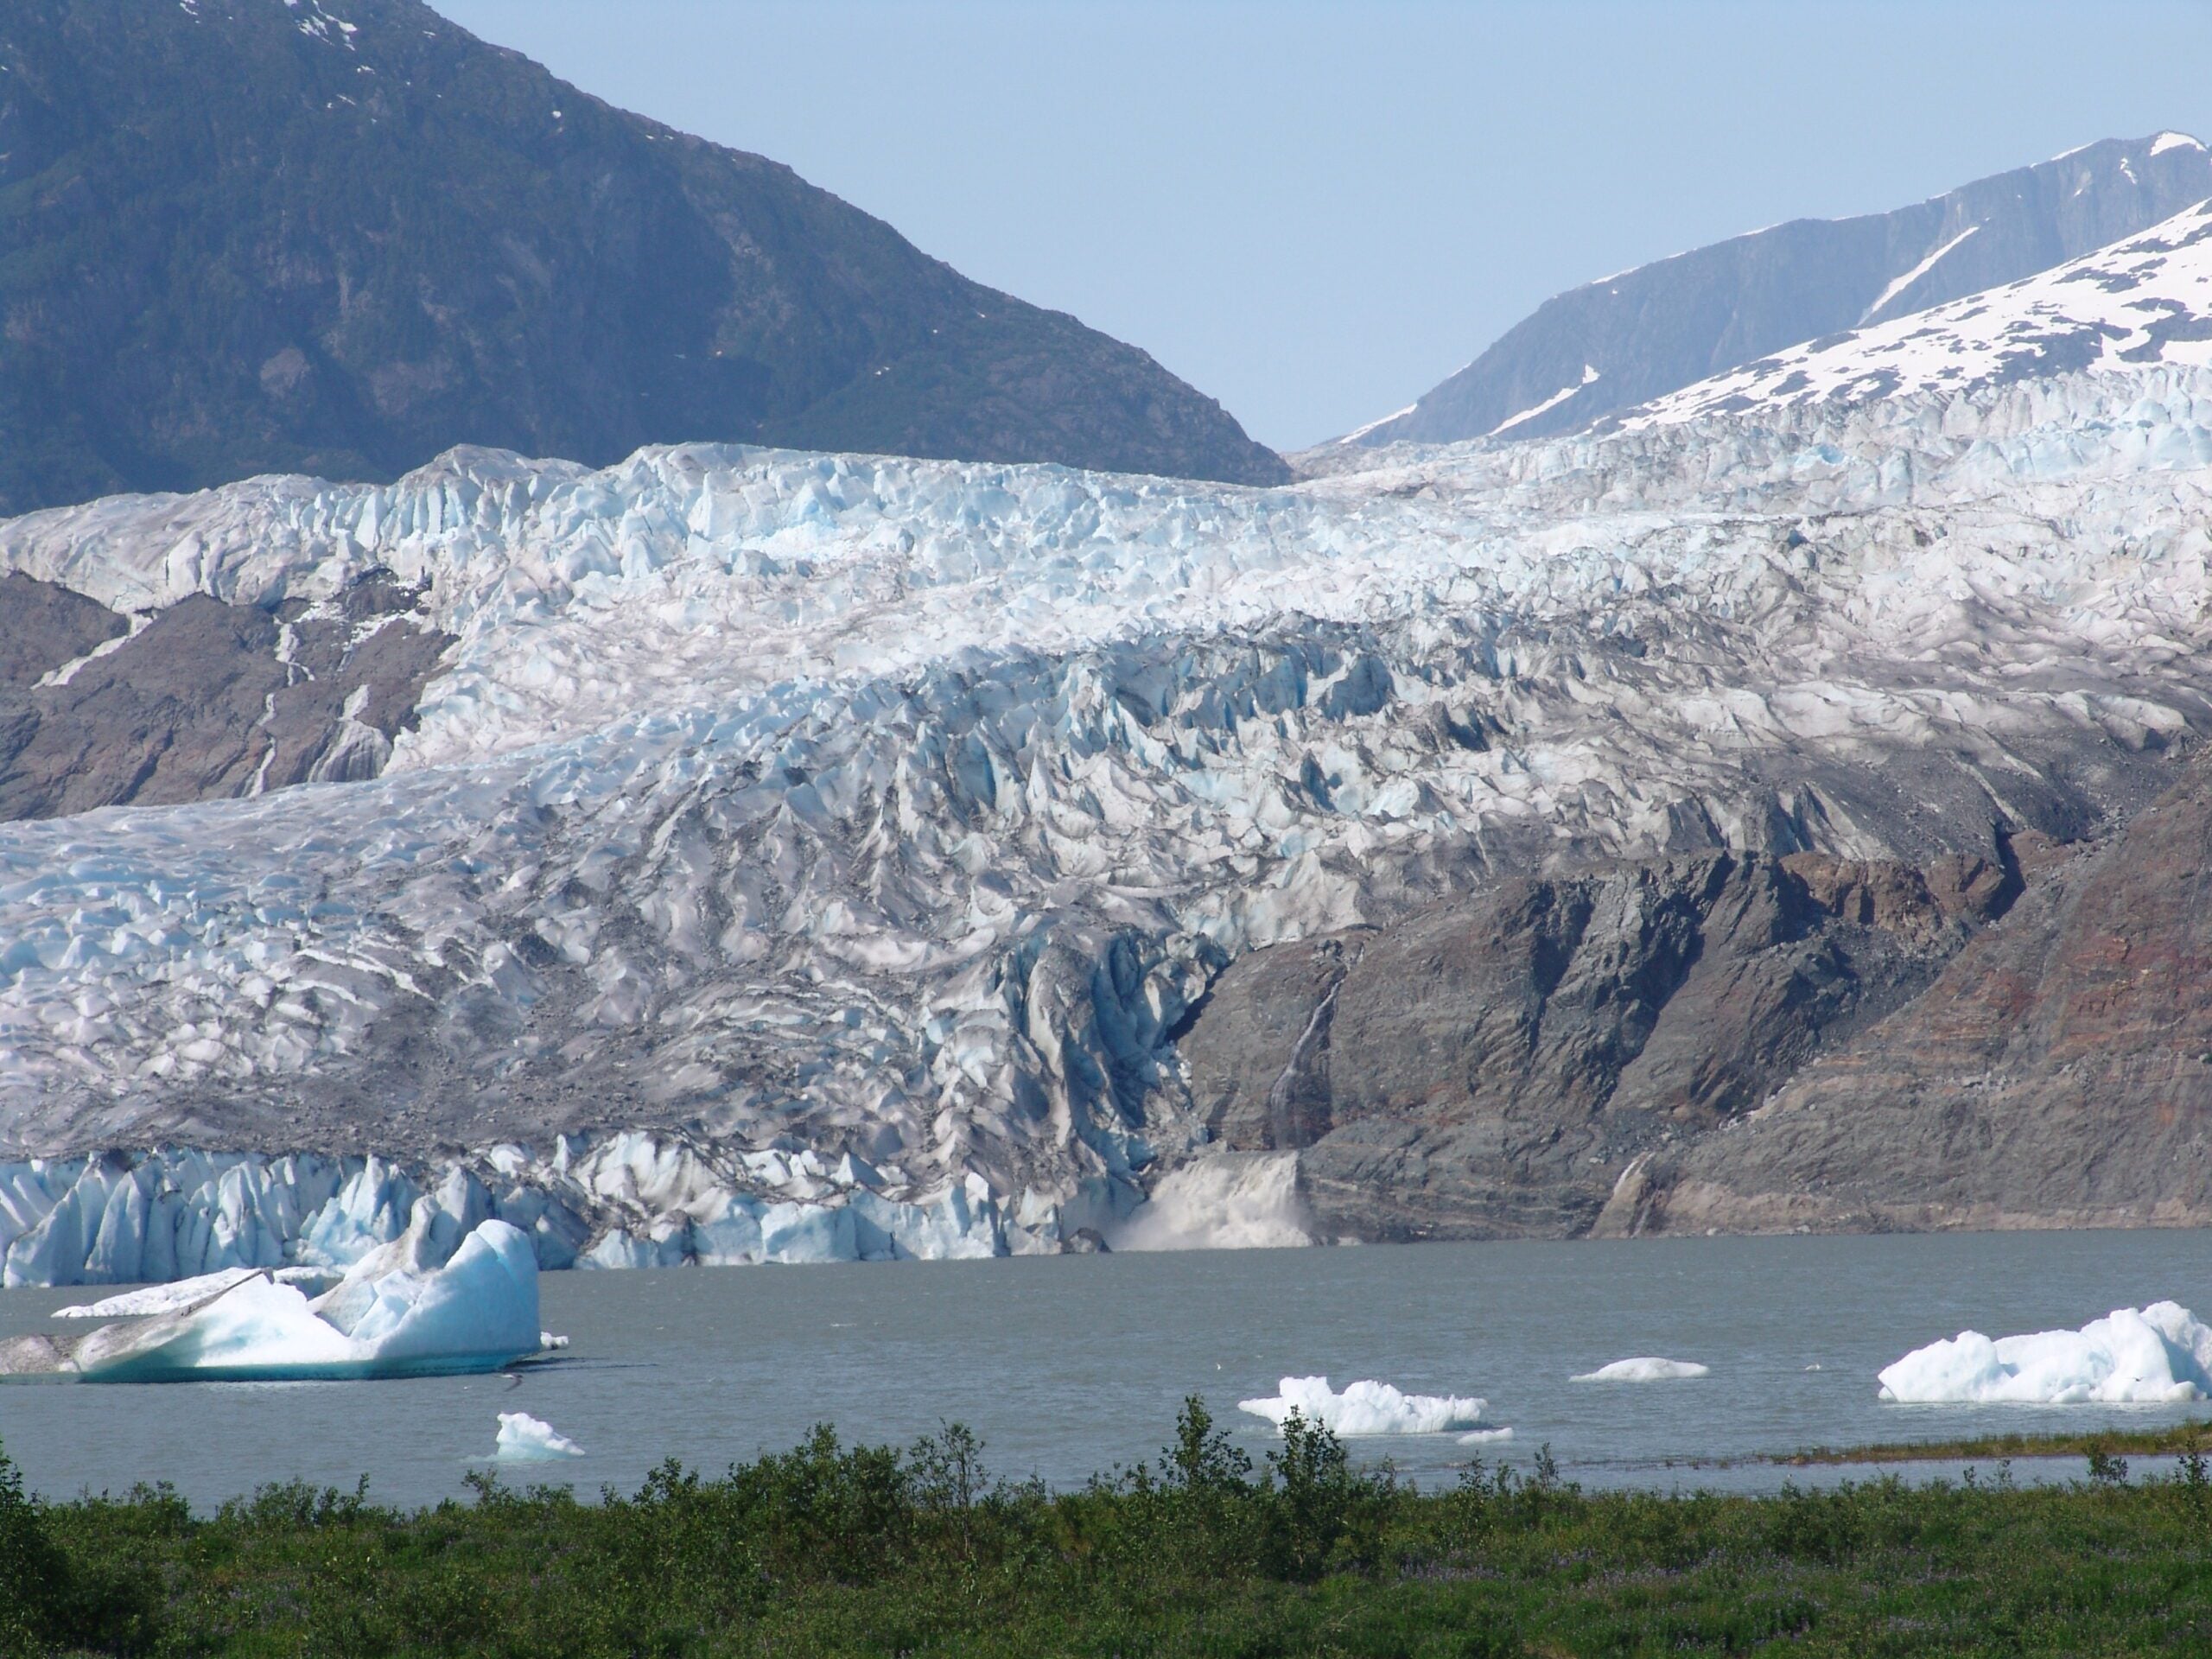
798, 855
1636, 335
2145, 300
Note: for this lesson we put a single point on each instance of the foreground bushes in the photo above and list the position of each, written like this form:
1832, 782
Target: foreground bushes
834, 1549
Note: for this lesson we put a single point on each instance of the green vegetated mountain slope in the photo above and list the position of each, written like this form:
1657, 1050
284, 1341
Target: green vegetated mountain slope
338, 236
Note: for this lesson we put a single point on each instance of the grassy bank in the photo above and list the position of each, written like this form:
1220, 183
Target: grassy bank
2167, 1440
2096, 1444
828, 1549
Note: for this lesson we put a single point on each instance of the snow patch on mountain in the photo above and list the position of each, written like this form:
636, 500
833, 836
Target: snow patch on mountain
1906, 279
1589, 376
2146, 300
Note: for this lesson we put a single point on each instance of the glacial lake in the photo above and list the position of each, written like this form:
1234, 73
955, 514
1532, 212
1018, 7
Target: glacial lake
1067, 1366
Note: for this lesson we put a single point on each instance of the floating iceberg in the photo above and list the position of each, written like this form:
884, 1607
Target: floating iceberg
1485, 1436
388, 1317
2155, 1355
1644, 1371
524, 1437
1367, 1408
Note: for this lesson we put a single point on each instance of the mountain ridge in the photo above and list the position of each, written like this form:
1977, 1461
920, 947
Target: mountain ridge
1622, 340
380, 237
2144, 299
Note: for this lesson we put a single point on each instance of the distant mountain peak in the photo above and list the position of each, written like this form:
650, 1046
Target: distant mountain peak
1627, 340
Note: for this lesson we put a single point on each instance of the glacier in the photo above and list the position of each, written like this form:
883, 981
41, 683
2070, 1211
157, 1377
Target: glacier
2155, 1355
807, 858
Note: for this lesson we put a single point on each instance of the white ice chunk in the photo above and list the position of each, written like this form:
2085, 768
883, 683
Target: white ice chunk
2154, 1354
1644, 1370
1367, 1408
1485, 1436
523, 1436
159, 1299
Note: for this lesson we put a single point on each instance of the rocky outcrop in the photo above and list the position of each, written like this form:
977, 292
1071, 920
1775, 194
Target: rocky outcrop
204, 700
1490, 1066
44, 626
2057, 1073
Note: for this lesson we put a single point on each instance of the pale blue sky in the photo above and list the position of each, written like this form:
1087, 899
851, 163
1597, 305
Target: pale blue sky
1315, 211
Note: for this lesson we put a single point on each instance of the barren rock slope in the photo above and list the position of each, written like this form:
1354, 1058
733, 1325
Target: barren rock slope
1491, 1066
2058, 1073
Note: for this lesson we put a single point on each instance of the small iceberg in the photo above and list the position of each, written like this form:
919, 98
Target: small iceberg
1485, 1436
1367, 1408
522, 1437
1644, 1371
2156, 1355
393, 1314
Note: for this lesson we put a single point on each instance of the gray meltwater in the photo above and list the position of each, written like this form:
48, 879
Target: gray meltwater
1072, 1364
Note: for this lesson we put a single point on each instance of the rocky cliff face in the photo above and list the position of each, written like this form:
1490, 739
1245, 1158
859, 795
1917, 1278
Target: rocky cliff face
1489, 1067
339, 237
204, 700
2057, 1073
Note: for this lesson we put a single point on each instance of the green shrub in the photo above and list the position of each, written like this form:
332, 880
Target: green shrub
33, 1573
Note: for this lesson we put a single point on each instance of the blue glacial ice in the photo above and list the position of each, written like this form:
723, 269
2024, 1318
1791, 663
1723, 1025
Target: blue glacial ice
933, 795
